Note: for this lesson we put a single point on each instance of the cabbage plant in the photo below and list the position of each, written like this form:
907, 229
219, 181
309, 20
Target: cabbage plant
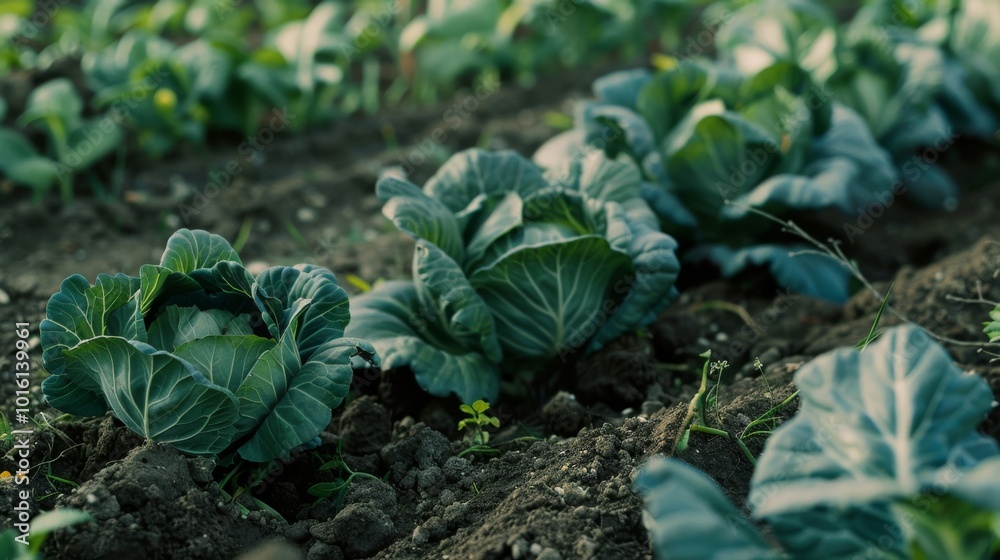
919, 73
514, 268
197, 353
705, 134
882, 460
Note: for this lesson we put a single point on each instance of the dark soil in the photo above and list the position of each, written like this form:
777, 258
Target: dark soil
561, 486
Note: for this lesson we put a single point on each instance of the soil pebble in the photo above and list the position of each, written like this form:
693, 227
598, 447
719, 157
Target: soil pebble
563, 415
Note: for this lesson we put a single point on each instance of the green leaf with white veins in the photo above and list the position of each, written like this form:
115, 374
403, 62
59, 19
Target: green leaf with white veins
305, 408
907, 419
548, 298
689, 518
596, 176
229, 277
224, 359
706, 164
505, 217
285, 402
443, 289
157, 395
473, 172
667, 96
542, 255
392, 317
77, 312
268, 380
189, 250
328, 313
647, 292
840, 533
157, 283
227, 362
419, 215
179, 325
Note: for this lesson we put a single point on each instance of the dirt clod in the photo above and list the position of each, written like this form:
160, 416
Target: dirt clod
360, 530
148, 506
564, 415
365, 426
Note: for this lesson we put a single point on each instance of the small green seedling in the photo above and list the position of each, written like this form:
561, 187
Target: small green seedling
874, 332
257, 474
763, 425
707, 398
56, 483
701, 401
476, 423
992, 327
339, 486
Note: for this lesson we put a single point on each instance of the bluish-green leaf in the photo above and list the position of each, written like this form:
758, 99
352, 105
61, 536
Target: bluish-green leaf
689, 518
158, 283
668, 209
929, 186
549, 299
80, 312
560, 148
667, 96
189, 250
761, 33
226, 276
505, 216
617, 130
180, 325
423, 217
621, 87
979, 485
594, 175
647, 291
795, 268
452, 303
846, 169
225, 359
304, 410
706, 167
393, 320
861, 531
328, 313
267, 382
157, 395
902, 415
473, 172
